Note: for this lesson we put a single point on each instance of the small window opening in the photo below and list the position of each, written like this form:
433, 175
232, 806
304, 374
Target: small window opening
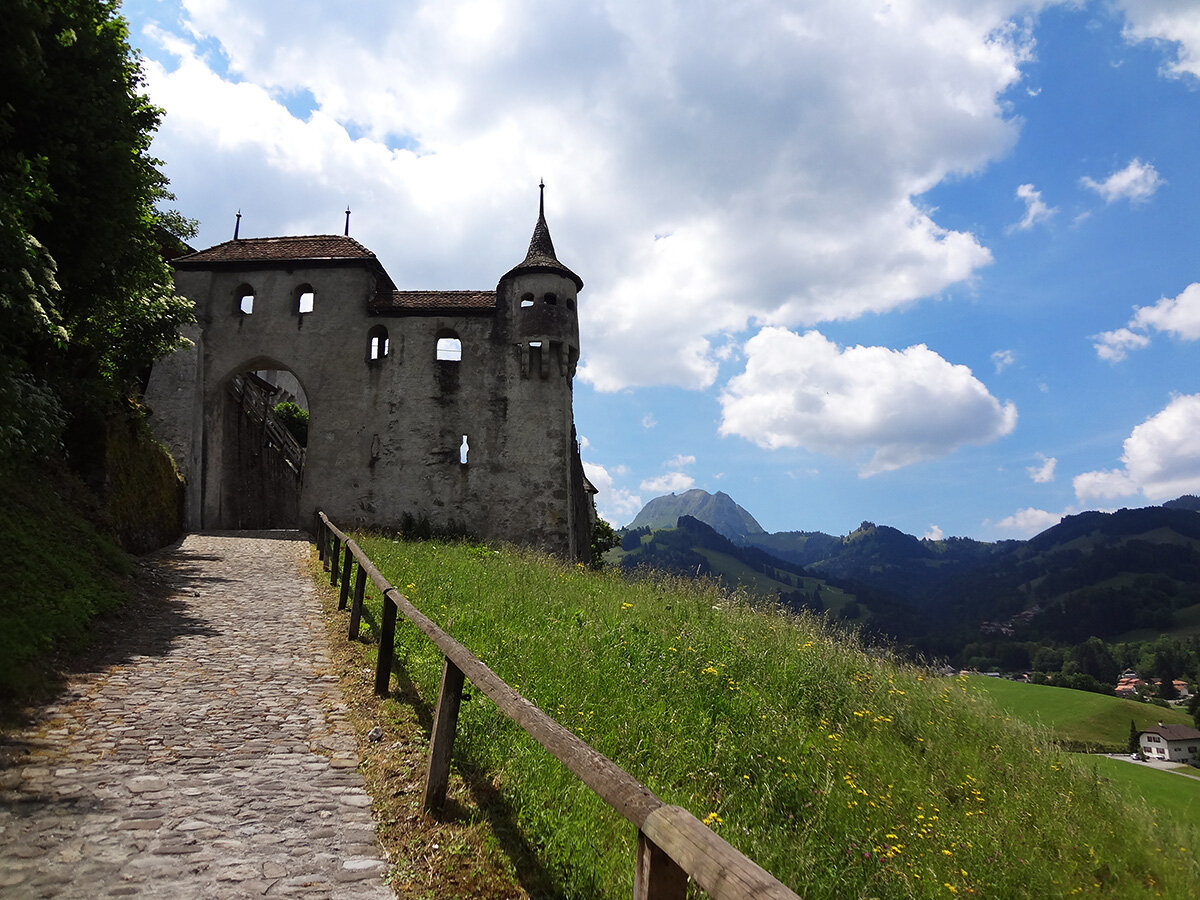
245, 299
536, 344
526, 301
449, 349
379, 344
305, 303
463, 449
551, 299
570, 303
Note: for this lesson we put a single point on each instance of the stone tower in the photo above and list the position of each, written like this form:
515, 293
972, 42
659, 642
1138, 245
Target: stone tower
453, 407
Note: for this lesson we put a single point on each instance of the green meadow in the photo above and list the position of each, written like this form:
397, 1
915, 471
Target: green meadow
1079, 719
841, 771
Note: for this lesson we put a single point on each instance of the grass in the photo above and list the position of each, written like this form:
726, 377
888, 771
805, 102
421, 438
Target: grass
1173, 795
843, 773
60, 572
1079, 719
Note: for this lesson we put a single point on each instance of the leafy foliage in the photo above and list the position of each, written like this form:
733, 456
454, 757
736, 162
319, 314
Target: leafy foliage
85, 292
294, 418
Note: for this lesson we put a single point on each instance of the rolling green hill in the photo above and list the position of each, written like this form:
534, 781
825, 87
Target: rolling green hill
1173, 795
1077, 719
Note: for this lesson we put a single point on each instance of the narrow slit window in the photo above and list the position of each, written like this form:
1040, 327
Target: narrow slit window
449, 349
463, 449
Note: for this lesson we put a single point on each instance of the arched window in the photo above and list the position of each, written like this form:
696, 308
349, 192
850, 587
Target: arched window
304, 298
378, 345
551, 299
449, 349
526, 301
243, 299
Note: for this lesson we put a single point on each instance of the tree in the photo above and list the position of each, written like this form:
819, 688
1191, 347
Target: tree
604, 538
1133, 737
86, 294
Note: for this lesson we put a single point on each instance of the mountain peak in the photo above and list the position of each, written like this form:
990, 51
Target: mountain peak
718, 511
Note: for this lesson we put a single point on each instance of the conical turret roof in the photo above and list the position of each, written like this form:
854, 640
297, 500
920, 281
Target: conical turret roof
540, 257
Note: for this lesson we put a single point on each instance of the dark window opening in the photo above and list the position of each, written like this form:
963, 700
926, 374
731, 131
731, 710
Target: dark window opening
551, 299
378, 343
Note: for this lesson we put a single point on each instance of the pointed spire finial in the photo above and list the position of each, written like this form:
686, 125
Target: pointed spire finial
347, 231
542, 198
237, 225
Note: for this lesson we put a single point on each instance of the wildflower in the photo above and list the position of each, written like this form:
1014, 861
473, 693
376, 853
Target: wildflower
712, 819
626, 606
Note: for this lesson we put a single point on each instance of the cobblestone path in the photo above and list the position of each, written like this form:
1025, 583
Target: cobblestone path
211, 760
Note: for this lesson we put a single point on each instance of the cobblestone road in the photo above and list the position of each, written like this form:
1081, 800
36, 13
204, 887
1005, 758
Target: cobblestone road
213, 760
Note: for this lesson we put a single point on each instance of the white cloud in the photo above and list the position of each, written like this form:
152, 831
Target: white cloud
1027, 522
648, 420
615, 505
712, 167
1114, 346
1044, 473
1002, 359
901, 406
1178, 316
1036, 209
934, 533
680, 460
1136, 183
1166, 20
1161, 458
668, 483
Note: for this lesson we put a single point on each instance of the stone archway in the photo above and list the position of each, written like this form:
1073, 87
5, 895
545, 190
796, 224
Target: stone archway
253, 465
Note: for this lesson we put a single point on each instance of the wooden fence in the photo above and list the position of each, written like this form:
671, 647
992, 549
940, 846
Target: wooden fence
672, 844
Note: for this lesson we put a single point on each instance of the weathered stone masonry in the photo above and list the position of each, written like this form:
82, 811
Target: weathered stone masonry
394, 380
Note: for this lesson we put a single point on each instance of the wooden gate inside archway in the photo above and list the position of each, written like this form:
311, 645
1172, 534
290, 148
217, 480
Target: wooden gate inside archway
255, 466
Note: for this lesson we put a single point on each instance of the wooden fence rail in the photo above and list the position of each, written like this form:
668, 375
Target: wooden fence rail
673, 844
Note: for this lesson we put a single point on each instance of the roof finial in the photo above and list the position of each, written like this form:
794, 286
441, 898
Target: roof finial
237, 225
542, 198
347, 231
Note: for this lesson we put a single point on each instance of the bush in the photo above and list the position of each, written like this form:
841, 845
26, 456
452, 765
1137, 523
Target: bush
295, 419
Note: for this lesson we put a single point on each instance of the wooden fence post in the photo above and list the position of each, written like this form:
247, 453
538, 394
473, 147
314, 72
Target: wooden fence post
657, 877
335, 546
346, 564
320, 538
387, 637
360, 582
441, 741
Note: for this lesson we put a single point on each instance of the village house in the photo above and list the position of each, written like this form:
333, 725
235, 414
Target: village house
1174, 743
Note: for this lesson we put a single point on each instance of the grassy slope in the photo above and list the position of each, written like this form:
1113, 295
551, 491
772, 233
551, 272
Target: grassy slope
840, 772
1173, 795
1077, 716
59, 573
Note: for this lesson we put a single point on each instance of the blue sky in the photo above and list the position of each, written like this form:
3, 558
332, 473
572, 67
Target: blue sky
931, 263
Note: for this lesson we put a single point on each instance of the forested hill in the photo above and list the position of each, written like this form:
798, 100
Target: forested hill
1095, 573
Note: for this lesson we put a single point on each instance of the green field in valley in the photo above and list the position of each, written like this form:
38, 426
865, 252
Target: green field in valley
1174, 795
1077, 718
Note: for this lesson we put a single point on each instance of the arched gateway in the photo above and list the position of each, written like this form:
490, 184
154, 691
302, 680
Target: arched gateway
398, 385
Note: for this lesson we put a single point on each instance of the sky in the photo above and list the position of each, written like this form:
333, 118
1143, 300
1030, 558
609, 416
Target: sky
928, 263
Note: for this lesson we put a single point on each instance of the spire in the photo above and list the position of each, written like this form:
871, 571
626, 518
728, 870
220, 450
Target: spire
346, 233
540, 245
237, 225
541, 256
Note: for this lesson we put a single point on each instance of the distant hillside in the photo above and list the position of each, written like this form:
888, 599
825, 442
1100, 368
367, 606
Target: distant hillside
718, 511
1095, 573
1101, 574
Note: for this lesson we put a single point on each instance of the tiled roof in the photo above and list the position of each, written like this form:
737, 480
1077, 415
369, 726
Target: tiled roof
541, 257
1173, 732
433, 301
280, 249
